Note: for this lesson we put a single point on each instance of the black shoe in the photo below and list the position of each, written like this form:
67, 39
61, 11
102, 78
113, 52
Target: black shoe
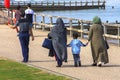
94, 64
99, 65
58, 66
75, 65
65, 61
25, 61
79, 63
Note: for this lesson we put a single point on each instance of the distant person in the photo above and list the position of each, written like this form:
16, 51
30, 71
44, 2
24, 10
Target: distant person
59, 40
76, 44
17, 15
98, 47
25, 31
29, 13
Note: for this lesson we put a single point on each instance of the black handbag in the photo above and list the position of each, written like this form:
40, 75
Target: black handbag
47, 43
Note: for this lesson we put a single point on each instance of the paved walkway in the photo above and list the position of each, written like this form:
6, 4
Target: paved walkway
10, 48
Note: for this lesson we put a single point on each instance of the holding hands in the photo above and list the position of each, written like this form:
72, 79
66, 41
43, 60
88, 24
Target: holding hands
87, 43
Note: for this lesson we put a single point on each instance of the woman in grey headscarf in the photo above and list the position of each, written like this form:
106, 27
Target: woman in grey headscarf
98, 47
59, 40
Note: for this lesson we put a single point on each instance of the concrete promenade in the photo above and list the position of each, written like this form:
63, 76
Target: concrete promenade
10, 48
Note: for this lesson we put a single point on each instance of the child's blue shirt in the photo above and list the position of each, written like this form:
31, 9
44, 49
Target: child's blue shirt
76, 44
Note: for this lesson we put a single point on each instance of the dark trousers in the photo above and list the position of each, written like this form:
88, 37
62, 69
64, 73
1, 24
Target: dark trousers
76, 59
24, 41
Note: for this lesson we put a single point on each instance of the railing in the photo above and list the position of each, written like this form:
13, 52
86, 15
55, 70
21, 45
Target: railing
3, 16
44, 22
77, 25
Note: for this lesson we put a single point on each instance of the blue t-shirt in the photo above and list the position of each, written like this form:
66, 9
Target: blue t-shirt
76, 44
24, 25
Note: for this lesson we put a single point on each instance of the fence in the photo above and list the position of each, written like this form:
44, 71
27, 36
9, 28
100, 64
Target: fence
111, 31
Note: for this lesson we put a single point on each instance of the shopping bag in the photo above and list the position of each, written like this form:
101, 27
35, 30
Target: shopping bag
47, 43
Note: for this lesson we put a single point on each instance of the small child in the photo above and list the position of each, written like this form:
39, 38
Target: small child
76, 44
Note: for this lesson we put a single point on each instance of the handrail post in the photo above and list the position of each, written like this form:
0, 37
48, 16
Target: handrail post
105, 31
41, 3
70, 3
86, 3
92, 3
51, 21
64, 3
75, 3
81, 29
53, 3
43, 21
70, 22
118, 36
81, 3
34, 21
47, 3
58, 3
98, 2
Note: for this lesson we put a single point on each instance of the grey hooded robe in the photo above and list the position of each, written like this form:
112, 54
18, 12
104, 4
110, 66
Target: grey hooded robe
59, 39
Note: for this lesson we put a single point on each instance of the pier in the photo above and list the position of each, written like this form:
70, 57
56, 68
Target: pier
66, 5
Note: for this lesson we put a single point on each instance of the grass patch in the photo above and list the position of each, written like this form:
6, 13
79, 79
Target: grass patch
10, 70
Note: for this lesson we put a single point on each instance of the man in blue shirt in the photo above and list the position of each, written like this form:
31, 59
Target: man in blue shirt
25, 31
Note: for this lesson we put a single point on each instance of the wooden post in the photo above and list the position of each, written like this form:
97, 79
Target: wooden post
118, 36
75, 3
81, 3
64, 3
47, 3
34, 21
43, 21
35, 3
51, 21
18, 3
81, 29
86, 3
53, 3
98, 2
12, 3
70, 22
58, 3
105, 30
92, 3
104, 4
24, 3
70, 3
41, 3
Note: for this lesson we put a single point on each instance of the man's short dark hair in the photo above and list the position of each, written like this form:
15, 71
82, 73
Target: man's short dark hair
29, 5
18, 7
